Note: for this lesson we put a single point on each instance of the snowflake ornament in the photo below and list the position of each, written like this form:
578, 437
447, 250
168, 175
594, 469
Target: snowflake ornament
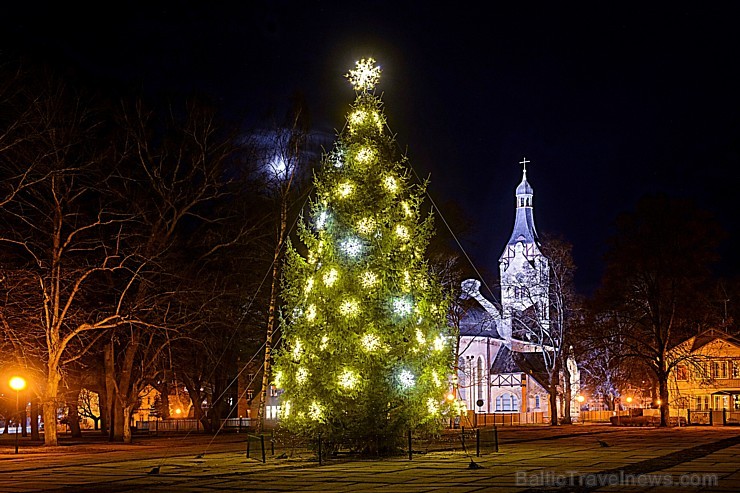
365, 76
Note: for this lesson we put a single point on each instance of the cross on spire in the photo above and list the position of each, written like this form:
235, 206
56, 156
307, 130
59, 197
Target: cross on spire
524, 162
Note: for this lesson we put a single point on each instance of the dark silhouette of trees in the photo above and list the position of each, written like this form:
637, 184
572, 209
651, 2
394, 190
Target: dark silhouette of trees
656, 281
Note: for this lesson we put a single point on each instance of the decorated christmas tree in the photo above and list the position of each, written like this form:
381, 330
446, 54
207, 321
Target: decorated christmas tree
366, 350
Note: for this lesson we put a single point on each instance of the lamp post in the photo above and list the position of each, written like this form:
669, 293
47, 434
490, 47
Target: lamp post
17, 384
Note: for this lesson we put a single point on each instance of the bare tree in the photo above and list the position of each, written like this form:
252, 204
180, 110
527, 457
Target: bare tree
655, 283
177, 176
546, 324
59, 236
285, 165
89, 406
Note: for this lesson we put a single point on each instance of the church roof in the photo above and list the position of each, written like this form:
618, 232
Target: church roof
504, 362
477, 322
531, 363
524, 187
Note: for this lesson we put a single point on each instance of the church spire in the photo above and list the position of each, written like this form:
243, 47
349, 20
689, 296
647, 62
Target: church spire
524, 230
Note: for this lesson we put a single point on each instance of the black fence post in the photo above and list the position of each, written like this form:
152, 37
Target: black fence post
262, 443
724, 416
272, 442
462, 436
711, 417
477, 442
248, 442
688, 417
410, 451
495, 437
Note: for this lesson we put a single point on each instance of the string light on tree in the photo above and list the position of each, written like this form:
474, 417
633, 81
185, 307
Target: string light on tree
352, 247
406, 379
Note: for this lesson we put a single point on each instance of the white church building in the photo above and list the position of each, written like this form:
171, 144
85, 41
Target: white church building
501, 367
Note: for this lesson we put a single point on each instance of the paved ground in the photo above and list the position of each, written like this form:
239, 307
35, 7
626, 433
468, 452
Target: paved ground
568, 458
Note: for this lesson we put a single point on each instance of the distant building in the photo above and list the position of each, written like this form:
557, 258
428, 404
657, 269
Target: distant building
708, 375
250, 384
500, 370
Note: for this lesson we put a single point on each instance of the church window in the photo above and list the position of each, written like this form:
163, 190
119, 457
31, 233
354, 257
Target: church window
537, 402
682, 373
736, 369
507, 403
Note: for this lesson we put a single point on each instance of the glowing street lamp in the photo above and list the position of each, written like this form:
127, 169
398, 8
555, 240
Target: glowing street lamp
17, 384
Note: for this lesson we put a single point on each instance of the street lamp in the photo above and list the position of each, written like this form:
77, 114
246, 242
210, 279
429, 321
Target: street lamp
17, 384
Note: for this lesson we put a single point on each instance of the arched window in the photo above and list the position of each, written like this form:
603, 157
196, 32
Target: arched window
537, 402
507, 403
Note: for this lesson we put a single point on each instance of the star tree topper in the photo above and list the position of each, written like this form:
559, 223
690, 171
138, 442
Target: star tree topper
365, 76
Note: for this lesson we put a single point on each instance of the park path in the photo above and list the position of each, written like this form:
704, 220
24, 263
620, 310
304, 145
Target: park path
529, 459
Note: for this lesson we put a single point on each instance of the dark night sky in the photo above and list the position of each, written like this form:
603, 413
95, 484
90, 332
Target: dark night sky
609, 102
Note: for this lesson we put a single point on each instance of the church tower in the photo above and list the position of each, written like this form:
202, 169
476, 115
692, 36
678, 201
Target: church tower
523, 269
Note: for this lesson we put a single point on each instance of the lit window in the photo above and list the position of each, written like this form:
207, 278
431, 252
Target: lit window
722, 369
507, 403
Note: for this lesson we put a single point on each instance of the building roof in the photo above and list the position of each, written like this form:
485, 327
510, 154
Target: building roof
504, 362
524, 187
710, 335
531, 363
477, 322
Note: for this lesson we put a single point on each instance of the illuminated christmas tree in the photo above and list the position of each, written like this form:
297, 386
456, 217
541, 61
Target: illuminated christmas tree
366, 350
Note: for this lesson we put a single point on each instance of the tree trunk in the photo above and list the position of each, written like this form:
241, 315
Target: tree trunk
553, 391
566, 394
102, 422
164, 396
119, 422
664, 410
271, 316
126, 393
197, 398
35, 419
110, 391
51, 438
24, 421
126, 428
73, 414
